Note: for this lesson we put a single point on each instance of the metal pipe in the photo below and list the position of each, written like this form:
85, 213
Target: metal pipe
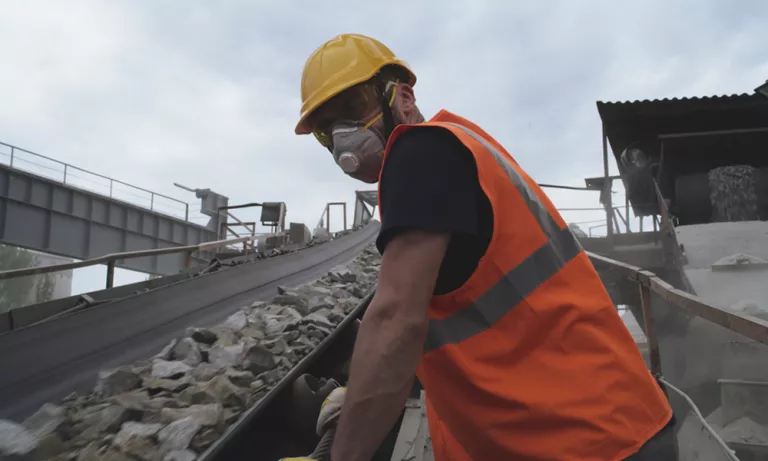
712, 133
555, 186
9, 274
111, 274
703, 421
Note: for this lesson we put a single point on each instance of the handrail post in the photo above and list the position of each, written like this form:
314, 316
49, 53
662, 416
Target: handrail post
65, 174
12, 149
111, 273
650, 329
151, 201
111, 183
607, 199
186, 211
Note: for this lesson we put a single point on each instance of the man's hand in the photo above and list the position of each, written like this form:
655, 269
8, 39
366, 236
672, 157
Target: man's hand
330, 410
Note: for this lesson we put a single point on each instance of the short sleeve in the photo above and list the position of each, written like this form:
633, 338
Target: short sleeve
429, 182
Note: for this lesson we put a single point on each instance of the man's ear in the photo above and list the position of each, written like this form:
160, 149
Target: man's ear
405, 102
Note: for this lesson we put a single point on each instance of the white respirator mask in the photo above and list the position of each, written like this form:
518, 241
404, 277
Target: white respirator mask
358, 149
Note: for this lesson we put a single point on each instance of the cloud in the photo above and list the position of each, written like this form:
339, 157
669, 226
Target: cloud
207, 93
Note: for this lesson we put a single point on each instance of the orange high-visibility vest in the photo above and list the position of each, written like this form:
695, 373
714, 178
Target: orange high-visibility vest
529, 359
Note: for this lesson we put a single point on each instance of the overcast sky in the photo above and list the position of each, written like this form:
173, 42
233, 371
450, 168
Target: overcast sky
207, 93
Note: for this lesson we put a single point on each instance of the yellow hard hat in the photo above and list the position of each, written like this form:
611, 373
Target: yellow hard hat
340, 63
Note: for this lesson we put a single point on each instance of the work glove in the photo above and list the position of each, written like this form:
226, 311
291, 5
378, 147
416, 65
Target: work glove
330, 410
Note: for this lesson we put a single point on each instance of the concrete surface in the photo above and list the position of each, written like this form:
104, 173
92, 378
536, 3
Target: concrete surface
738, 289
413, 441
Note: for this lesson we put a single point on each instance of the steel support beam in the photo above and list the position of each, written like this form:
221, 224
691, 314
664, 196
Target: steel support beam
48, 216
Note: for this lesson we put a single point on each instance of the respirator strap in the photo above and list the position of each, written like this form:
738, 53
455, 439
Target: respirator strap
386, 108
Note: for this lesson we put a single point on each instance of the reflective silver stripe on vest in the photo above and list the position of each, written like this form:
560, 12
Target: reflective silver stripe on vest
519, 282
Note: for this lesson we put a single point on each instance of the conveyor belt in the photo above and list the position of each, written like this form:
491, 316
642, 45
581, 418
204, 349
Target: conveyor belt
45, 362
267, 431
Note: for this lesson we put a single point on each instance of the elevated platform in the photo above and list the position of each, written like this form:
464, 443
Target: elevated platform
54, 217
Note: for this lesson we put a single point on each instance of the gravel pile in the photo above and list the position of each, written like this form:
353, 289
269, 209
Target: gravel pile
733, 193
175, 405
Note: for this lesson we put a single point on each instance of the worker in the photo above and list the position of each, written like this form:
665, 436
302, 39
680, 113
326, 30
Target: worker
484, 293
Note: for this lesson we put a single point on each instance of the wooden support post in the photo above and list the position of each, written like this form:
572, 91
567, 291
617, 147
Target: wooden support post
650, 330
188, 259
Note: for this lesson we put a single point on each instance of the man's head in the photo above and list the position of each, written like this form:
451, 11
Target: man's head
354, 91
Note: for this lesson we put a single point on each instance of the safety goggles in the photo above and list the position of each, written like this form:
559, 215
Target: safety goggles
356, 104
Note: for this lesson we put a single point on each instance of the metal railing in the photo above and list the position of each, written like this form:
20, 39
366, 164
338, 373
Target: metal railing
65, 173
110, 259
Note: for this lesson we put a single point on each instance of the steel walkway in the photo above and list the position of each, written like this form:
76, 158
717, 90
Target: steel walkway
57, 208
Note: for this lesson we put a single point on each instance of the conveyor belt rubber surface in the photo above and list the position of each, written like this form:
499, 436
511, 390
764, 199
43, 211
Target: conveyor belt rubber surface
45, 362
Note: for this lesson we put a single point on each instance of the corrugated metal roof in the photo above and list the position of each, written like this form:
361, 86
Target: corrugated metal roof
724, 97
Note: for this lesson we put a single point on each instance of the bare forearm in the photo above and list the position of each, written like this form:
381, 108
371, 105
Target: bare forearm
383, 366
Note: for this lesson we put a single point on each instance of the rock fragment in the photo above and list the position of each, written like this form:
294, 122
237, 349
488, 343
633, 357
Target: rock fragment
226, 356
236, 321
205, 371
169, 369
117, 381
205, 415
137, 440
202, 335
167, 352
178, 434
188, 351
15, 441
102, 419
293, 300
258, 359
169, 385
134, 400
239, 378
180, 455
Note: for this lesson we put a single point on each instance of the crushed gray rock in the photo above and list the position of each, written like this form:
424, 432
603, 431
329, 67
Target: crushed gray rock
169, 370
178, 434
205, 415
188, 351
258, 359
117, 381
236, 321
733, 193
137, 439
203, 335
205, 371
180, 455
176, 404
16, 441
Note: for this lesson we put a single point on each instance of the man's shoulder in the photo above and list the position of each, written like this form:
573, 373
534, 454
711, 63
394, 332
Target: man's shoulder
427, 142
